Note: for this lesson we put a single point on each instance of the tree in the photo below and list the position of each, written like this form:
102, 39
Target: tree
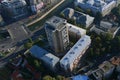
79, 9
88, 11
30, 40
108, 37
116, 43
62, 15
28, 45
60, 77
98, 17
91, 52
47, 77
97, 51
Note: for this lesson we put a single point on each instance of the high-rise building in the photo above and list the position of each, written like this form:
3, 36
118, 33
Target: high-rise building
57, 34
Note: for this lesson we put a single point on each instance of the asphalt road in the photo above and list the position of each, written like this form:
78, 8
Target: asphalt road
20, 34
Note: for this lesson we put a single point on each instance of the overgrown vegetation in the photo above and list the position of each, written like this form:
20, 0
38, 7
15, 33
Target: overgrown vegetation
103, 44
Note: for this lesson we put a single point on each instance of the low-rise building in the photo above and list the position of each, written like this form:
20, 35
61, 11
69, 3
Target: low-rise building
49, 59
14, 9
107, 69
106, 27
102, 6
75, 31
78, 17
116, 61
95, 75
104, 70
37, 52
70, 61
35, 5
80, 77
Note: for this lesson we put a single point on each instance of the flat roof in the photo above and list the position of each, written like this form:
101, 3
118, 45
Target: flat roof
76, 50
74, 29
50, 59
78, 16
80, 77
56, 22
37, 52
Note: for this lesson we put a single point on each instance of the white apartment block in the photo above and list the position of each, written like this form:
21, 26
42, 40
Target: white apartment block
73, 56
75, 31
102, 6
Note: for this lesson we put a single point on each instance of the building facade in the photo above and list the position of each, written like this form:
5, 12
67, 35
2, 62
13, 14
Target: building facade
75, 31
70, 61
102, 6
35, 5
14, 8
78, 18
57, 34
106, 27
49, 59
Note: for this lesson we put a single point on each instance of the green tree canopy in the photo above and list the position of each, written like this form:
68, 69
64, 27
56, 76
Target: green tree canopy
47, 77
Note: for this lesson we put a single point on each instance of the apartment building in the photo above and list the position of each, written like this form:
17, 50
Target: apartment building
48, 58
14, 9
78, 17
70, 61
35, 5
75, 31
106, 27
57, 34
102, 6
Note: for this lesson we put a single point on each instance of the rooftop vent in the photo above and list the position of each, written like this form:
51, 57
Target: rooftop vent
56, 21
71, 52
75, 47
82, 40
79, 44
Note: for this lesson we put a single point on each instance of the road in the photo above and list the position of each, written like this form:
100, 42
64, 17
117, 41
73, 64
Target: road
20, 34
46, 13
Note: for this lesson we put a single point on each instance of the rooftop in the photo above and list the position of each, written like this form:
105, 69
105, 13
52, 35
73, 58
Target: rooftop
95, 3
50, 59
14, 3
79, 31
106, 66
37, 52
56, 22
115, 60
96, 74
76, 50
79, 17
108, 26
80, 77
